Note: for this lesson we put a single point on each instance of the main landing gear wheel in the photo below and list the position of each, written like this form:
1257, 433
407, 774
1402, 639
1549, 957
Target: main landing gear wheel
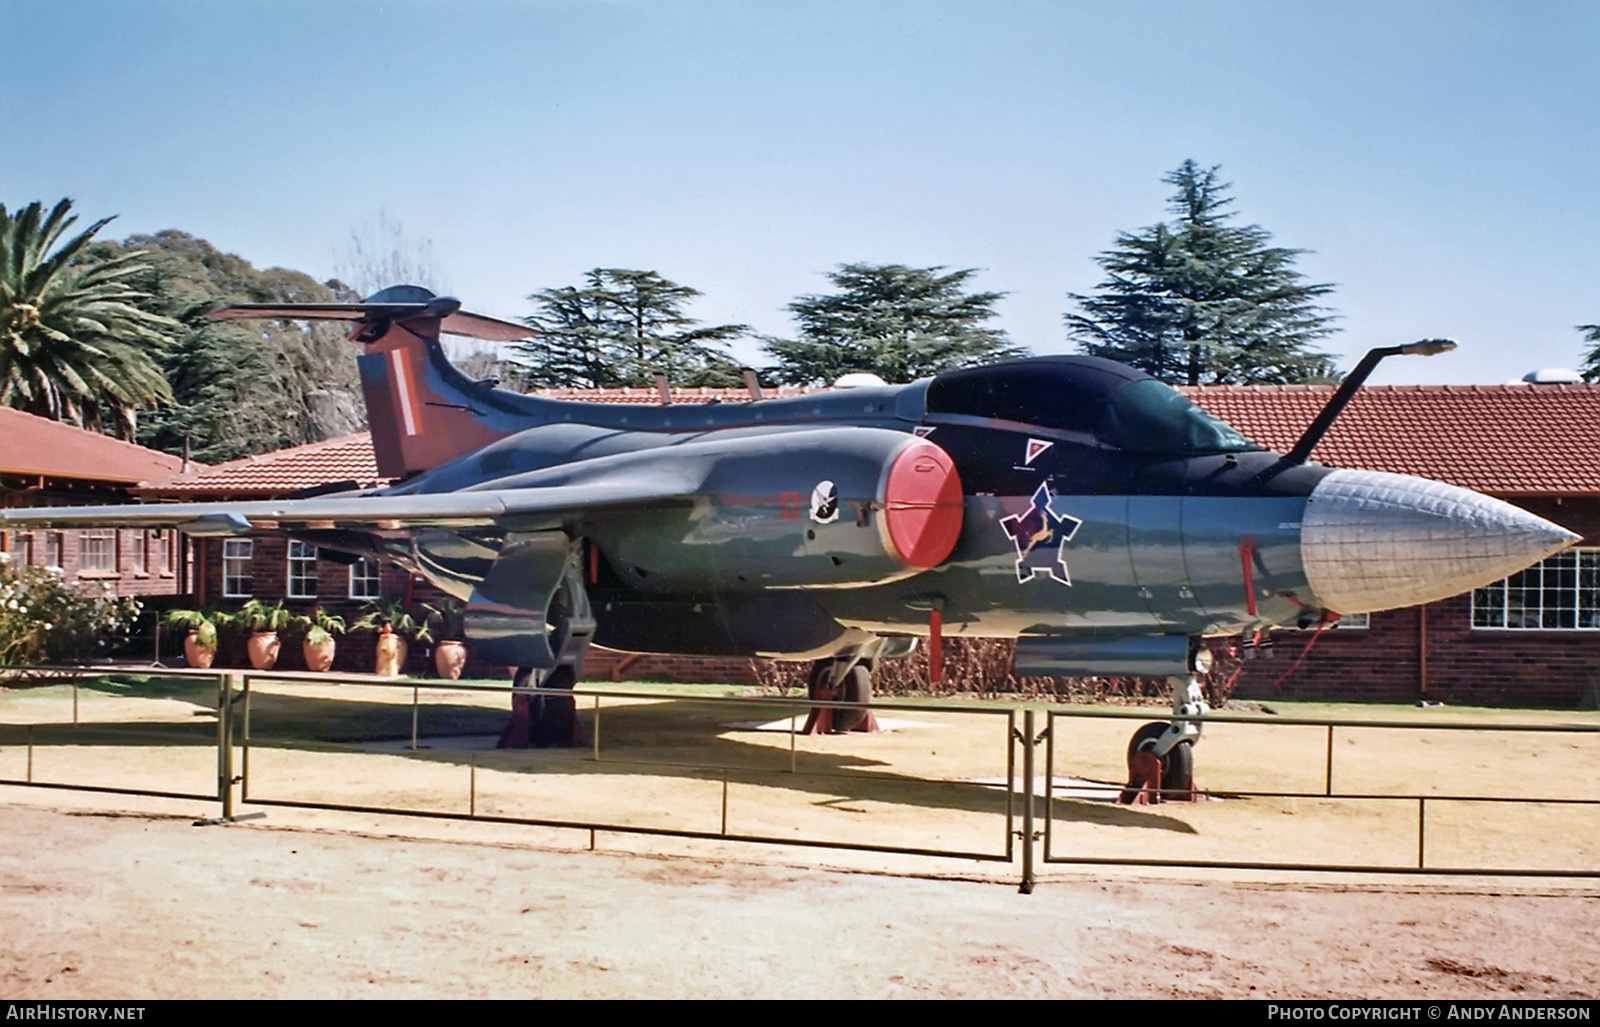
1152, 778
855, 686
542, 721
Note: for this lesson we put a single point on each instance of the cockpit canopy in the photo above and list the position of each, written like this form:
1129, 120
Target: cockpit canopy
1111, 403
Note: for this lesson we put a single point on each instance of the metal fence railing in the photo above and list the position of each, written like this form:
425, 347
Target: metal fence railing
168, 743
1428, 786
1292, 794
592, 789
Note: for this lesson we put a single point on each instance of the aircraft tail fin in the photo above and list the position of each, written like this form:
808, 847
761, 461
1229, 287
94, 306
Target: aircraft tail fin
421, 410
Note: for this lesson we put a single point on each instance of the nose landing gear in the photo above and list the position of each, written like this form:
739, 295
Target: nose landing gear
1161, 754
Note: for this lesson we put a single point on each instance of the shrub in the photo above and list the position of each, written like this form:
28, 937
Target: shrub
44, 620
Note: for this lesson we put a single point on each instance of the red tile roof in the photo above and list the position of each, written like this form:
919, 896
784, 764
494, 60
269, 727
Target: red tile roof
35, 445
1500, 439
275, 474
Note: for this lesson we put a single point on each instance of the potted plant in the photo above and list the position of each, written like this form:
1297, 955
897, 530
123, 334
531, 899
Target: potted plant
200, 640
396, 627
264, 623
319, 644
448, 619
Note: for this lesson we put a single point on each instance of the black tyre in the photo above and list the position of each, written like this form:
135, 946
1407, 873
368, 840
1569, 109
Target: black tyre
1177, 766
1177, 771
856, 687
554, 723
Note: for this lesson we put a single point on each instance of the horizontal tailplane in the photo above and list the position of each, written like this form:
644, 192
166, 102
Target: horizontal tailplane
422, 411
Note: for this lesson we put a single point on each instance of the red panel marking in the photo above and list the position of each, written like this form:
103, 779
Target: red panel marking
935, 646
923, 504
1247, 556
789, 505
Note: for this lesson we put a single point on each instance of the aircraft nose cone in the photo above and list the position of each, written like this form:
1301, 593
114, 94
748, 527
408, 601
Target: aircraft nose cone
1375, 541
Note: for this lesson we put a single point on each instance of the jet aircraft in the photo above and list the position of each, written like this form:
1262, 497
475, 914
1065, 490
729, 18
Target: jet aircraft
1074, 504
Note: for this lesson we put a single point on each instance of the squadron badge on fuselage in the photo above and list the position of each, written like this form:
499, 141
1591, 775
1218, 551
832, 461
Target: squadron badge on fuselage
825, 502
1041, 535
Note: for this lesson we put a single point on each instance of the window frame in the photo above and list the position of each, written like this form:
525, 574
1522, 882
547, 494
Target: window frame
235, 559
1584, 559
296, 575
164, 549
376, 579
139, 553
105, 558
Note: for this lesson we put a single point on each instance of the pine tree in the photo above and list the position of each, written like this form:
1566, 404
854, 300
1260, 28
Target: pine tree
1591, 363
622, 328
900, 323
1200, 300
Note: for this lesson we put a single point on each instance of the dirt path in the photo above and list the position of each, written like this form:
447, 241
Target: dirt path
146, 905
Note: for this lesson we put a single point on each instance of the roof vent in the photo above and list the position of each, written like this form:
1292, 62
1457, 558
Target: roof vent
1553, 376
858, 380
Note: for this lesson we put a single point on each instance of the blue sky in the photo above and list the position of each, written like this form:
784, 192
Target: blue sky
1439, 158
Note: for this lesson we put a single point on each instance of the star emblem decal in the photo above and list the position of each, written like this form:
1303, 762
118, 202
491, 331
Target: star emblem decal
1041, 536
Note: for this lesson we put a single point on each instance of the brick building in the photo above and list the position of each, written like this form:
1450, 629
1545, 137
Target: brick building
227, 572
1533, 639
47, 463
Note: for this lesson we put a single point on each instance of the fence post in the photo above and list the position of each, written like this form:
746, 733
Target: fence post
225, 686
244, 741
1026, 887
1422, 828
1327, 780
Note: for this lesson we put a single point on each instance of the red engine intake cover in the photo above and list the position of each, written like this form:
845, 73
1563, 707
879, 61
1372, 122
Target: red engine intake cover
923, 504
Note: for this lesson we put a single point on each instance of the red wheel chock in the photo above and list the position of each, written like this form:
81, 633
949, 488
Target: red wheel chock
521, 731
1144, 780
820, 720
515, 735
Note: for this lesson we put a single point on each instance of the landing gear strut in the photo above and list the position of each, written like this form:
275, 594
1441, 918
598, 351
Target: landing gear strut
1161, 754
551, 721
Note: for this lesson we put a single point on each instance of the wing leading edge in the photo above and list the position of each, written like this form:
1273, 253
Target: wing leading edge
381, 512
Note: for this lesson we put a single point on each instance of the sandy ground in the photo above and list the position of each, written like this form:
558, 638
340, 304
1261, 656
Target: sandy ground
110, 896
129, 906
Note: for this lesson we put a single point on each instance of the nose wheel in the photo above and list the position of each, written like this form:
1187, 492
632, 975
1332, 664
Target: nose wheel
1161, 753
1153, 778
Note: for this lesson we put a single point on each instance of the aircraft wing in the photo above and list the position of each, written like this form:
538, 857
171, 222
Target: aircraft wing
452, 322
374, 511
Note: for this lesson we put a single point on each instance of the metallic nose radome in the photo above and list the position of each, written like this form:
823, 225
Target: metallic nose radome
1376, 541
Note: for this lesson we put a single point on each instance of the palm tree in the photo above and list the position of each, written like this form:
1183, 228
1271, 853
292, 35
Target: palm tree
74, 344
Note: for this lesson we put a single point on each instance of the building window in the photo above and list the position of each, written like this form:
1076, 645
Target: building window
302, 570
1556, 594
236, 580
136, 552
1354, 620
364, 581
97, 552
22, 548
161, 547
52, 549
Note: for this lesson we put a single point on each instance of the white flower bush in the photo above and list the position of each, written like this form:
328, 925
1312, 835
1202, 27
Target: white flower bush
42, 620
